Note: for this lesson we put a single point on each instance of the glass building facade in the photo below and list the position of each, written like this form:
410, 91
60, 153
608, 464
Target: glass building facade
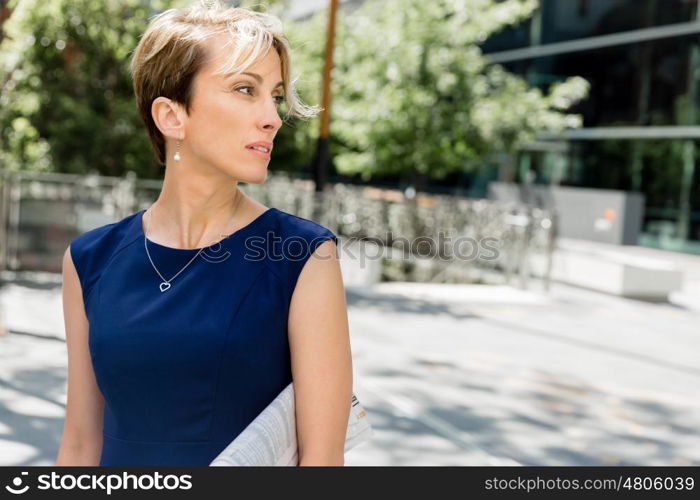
640, 120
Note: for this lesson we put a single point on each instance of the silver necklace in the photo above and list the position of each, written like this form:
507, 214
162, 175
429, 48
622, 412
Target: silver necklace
165, 284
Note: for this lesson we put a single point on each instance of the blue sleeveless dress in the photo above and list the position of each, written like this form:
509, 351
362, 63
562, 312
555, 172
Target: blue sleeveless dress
185, 370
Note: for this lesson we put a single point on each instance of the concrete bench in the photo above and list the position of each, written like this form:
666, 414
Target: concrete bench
610, 269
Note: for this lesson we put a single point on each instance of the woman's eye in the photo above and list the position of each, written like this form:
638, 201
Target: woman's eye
280, 98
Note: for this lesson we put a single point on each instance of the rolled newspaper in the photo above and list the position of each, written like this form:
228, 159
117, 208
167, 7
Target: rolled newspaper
271, 438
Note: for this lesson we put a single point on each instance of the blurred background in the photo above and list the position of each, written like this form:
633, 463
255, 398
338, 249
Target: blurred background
515, 188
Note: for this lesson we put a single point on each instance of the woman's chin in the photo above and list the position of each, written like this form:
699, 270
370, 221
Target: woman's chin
253, 177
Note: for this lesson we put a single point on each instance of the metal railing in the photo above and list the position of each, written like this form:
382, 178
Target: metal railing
40, 213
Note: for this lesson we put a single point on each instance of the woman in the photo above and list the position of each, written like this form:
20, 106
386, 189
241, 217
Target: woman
185, 320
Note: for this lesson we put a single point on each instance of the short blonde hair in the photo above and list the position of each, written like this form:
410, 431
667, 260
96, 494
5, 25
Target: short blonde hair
172, 51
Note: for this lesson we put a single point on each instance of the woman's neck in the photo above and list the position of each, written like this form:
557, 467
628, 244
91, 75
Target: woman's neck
190, 216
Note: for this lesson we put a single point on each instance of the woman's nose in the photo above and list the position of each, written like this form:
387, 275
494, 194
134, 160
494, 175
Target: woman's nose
271, 117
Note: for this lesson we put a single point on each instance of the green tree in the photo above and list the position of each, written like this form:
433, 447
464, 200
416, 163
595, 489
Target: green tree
413, 94
67, 99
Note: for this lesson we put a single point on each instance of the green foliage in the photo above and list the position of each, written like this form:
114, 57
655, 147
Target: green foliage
412, 92
67, 99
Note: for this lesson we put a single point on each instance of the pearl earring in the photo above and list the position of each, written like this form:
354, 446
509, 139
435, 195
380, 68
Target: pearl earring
177, 156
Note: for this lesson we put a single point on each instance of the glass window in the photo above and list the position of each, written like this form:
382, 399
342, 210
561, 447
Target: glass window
512, 37
573, 19
564, 20
635, 84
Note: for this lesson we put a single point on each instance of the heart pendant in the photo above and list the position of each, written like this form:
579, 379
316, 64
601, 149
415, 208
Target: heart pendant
164, 286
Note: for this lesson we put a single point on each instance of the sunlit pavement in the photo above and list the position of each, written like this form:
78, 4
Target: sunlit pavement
579, 378
449, 375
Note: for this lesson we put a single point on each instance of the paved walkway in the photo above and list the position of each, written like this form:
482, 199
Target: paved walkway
449, 374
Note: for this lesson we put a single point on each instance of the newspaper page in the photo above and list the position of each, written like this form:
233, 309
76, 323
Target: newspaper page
271, 438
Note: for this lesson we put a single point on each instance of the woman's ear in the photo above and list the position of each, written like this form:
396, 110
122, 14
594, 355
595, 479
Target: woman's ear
167, 115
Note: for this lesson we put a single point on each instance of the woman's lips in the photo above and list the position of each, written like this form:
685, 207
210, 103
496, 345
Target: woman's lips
259, 153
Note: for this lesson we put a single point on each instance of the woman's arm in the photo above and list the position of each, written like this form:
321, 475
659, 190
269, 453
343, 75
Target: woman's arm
321, 359
81, 443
